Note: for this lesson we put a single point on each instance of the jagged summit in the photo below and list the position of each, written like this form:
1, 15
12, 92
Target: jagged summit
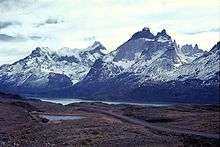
97, 43
42, 49
162, 33
196, 46
190, 50
39, 51
163, 36
216, 48
150, 49
97, 46
144, 33
146, 29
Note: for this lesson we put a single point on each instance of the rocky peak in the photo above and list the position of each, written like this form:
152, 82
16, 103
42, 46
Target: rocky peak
39, 51
189, 50
216, 48
163, 35
163, 32
196, 47
146, 29
144, 33
97, 43
97, 46
187, 47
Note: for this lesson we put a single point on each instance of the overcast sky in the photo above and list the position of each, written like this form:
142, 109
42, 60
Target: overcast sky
26, 24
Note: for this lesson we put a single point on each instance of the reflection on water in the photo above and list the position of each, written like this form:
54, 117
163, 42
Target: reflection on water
69, 101
61, 117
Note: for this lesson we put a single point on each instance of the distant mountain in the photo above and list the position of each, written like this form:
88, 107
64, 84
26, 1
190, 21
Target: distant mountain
147, 67
152, 68
143, 54
44, 69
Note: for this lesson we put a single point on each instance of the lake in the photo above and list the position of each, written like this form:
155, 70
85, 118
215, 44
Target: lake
61, 117
69, 101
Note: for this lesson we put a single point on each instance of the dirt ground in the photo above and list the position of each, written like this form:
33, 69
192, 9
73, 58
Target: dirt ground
104, 125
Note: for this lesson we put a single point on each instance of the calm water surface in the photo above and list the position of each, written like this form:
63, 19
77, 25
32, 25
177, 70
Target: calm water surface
69, 101
61, 117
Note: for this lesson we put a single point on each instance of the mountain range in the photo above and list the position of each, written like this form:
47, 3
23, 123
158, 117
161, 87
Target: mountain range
44, 69
147, 67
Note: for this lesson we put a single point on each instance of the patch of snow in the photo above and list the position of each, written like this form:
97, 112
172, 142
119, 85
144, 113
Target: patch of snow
147, 39
162, 39
125, 63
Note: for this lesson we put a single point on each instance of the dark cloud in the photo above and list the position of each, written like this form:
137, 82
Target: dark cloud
4, 24
49, 21
4, 37
35, 37
18, 38
199, 32
8, 38
7, 24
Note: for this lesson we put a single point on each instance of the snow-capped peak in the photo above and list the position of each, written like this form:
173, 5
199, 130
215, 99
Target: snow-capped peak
97, 47
39, 51
97, 44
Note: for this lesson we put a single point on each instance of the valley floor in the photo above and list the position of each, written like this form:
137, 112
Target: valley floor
22, 124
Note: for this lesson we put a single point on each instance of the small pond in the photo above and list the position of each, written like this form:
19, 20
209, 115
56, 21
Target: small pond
61, 117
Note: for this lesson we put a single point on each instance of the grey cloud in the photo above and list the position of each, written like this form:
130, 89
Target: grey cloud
7, 24
8, 38
35, 37
7, 5
199, 32
18, 38
49, 21
4, 24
